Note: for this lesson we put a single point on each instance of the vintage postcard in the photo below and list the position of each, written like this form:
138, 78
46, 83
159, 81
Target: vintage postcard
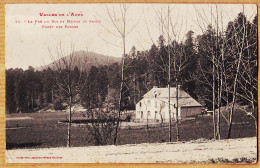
131, 83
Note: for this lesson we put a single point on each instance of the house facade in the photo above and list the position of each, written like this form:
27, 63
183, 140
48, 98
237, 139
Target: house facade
155, 107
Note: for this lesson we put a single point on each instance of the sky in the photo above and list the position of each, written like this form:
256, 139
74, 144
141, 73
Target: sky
29, 43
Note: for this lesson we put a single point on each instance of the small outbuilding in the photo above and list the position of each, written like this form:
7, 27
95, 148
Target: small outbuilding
155, 107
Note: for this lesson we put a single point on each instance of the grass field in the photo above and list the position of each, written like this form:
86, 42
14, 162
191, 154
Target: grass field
43, 130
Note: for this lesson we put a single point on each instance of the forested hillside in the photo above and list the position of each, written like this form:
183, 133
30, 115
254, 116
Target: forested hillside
225, 61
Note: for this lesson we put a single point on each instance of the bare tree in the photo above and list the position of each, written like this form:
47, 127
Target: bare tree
215, 51
176, 58
228, 63
119, 30
169, 82
248, 76
240, 46
69, 75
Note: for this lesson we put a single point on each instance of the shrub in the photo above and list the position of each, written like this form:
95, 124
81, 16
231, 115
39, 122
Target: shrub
58, 105
128, 118
102, 128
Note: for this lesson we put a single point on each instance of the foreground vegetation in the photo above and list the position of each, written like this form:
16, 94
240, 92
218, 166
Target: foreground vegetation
236, 160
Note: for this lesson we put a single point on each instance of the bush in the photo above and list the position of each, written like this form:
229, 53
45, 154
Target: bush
128, 118
58, 106
102, 128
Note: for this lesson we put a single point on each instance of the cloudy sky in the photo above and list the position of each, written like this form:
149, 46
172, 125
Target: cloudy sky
31, 44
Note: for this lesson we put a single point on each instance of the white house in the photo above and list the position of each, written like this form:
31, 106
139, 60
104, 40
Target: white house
155, 107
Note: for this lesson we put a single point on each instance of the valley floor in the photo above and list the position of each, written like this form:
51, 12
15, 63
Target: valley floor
195, 151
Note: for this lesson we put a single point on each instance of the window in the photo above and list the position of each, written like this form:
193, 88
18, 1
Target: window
155, 94
148, 103
140, 104
149, 114
142, 114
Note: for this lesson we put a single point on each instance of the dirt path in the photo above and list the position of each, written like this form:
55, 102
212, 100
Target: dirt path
193, 151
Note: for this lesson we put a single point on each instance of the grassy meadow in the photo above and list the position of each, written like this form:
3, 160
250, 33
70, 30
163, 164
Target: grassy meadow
43, 130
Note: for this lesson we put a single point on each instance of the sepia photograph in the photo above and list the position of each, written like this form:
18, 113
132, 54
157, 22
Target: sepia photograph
131, 83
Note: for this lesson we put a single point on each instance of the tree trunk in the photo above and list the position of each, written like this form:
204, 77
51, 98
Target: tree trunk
52, 96
169, 81
70, 104
147, 120
253, 111
218, 75
32, 104
213, 97
169, 108
120, 93
235, 83
119, 108
177, 110
219, 104
255, 118
234, 97
69, 123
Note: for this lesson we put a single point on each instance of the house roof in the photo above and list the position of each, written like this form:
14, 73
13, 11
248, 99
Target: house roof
164, 93
189, 101
184, 98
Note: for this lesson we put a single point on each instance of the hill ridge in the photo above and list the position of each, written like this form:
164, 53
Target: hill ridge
92, 59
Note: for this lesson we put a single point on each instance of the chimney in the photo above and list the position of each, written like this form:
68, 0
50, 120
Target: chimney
179, 87
179, 90
155, 86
